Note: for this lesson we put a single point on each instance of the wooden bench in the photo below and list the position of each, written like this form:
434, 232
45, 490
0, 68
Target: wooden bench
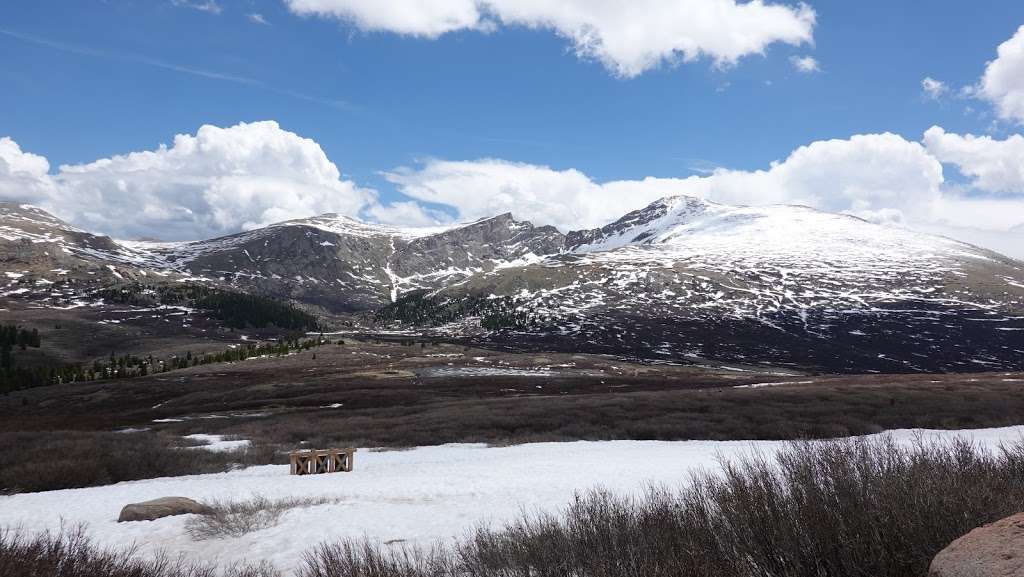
313, 462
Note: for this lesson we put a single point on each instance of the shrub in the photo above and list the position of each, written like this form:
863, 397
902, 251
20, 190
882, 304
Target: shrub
69, 553
85, 459
853, 508
241, 517
366, 559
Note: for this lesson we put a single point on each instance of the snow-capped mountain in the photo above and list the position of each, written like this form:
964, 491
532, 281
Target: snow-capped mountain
44, 258
680, 279
330, 261
782, 284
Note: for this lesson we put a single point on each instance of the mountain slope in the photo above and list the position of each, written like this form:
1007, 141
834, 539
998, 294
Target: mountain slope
334, 262
680, 280
44, 257
685, 278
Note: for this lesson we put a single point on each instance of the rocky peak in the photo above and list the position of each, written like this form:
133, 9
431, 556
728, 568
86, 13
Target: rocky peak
478, 245
25, 223
639, 222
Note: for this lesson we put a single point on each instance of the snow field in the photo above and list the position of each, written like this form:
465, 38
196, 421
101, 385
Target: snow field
417, 496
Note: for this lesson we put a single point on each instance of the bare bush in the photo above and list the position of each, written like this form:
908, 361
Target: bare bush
86, 459
366, 559
237, 518
852, 508
70, 553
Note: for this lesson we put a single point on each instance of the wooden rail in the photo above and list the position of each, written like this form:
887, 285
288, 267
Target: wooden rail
313, 462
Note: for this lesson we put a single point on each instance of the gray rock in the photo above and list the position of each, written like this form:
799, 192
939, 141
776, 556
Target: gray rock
163, 507
995, 550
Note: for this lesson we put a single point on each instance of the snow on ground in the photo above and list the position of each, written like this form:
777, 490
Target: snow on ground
418, 496
217, 443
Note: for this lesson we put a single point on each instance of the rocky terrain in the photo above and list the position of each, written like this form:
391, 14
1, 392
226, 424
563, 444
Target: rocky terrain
333, 262
788, 285
682, 280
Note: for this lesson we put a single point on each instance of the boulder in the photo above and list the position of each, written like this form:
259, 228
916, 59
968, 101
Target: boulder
995, 550
163, 507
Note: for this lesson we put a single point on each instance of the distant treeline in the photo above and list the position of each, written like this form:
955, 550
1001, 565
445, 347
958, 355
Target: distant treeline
237, 310
14, 336
127, 366
495, 313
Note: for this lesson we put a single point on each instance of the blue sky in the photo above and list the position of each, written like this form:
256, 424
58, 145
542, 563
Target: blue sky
92, 79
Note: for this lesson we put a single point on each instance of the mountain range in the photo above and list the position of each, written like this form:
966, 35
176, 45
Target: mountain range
681, 280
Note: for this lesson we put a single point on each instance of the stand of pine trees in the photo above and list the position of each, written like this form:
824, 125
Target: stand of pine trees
495, 313
237, 310
13, 337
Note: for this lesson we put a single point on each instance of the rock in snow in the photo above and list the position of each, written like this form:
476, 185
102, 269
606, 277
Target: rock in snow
160, 508
995, 550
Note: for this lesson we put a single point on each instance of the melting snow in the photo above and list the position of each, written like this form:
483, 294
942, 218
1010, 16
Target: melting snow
418, 496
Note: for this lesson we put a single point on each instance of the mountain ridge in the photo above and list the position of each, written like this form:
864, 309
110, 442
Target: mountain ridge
682, 278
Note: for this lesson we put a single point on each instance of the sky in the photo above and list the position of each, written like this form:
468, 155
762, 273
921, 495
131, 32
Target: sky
184, 119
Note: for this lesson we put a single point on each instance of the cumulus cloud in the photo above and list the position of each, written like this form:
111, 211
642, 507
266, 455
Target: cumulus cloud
805, 64
628, 38
933, 89
993, 165
213, 182
217, 181
257, 19
221, 180
16, 163
868, 175
992, 223
480, 188
406, 213
24, 177
1003, 81
865, 174
883, 178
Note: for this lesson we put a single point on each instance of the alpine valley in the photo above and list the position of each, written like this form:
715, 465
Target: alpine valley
682, 281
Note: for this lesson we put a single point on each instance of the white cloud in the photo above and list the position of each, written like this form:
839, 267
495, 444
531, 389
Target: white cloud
213, 182
880, 177
218, 181
868, 175
426, 18
934, 89
16, 163
23, 176
994, 165
482, 188
406, 213
629, 38
995, 224
1003, 81
221, 180
805, 64
210, 6
863, 175
257, 19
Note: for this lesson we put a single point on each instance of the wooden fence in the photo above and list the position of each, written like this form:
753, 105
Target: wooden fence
313, 462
